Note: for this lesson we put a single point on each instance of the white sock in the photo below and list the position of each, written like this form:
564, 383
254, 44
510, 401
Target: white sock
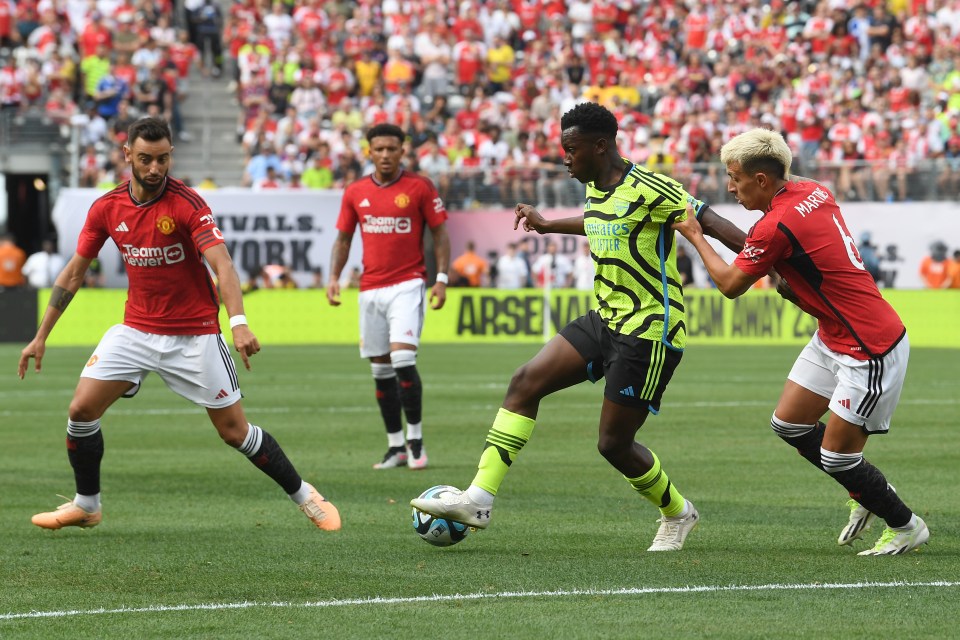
251, 444
300, 495
90, 504
480, 496
687, 508
910, 525
395, 439
415, 431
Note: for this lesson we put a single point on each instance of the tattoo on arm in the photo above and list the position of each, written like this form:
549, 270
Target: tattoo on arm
60, 298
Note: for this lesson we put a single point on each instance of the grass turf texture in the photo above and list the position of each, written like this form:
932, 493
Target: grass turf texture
188, 521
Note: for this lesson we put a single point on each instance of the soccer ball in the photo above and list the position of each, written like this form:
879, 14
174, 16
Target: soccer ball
438, 531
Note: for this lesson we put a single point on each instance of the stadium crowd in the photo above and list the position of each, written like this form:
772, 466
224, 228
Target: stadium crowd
867, 94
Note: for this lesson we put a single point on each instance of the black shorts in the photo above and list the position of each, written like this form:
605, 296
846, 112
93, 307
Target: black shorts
637, 370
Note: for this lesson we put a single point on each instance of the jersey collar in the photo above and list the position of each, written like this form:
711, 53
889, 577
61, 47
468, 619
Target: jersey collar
614, 186
782, 190
387, 184
163, 189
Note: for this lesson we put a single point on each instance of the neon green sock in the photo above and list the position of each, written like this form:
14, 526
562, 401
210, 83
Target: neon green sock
510, 431
656, 487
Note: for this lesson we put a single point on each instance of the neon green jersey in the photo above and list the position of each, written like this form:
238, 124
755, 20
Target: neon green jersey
637, 283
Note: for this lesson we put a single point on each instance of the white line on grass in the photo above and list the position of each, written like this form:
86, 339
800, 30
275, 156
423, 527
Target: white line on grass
371, 408
560, 593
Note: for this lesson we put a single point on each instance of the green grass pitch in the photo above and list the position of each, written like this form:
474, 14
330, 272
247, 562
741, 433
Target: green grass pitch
196, 543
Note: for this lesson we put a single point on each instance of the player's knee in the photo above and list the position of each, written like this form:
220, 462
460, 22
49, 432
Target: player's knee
382, 370
609, 447
787, 430
834, 463
81, 411
403, 358
523, 384
616, 444
232, 432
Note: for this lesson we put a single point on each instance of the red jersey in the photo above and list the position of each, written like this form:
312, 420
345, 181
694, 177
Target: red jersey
697, 24
182, 54
528, 11
170, 290
7, 11
93, 36
391, 218
804, 237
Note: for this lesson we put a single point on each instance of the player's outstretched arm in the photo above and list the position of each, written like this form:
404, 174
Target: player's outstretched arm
66, 286
716, 226
533, 220
728, 278
244, 341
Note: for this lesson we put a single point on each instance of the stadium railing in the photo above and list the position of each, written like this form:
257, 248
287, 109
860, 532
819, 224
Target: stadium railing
471, 188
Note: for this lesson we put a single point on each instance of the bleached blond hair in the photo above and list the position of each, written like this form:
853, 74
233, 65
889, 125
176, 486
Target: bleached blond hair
759, 150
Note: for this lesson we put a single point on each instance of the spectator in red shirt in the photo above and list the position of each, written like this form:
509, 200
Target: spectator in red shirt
95, 34
9, 36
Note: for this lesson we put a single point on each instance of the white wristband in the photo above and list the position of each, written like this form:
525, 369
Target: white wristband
237, 320
442, 277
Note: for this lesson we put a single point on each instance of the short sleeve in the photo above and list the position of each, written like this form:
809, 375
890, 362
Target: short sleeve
764, 247
347, 220
431, 205
93, 234
671, 205
204, 229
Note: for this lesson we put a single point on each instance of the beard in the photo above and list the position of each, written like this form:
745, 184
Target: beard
148, 188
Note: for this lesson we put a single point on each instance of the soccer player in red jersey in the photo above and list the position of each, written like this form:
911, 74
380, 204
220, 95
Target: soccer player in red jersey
392, 206
854, 366
164, 231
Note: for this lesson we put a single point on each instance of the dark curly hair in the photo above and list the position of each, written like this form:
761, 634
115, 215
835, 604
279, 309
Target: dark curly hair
385, 129
590, 117
150, 129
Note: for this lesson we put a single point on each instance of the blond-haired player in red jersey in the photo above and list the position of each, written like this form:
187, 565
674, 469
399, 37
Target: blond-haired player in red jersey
164, 231
855, 364
393, 207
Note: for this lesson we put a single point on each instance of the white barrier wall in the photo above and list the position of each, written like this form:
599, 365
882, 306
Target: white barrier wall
298, 228
910, 227
295, 228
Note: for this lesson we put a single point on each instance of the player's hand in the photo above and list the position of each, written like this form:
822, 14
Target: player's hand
690, 227
35, 350
532, 220
784, 289
245, 343
438, 295
333, 293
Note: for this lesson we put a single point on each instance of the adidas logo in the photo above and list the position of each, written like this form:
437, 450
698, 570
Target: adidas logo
223, 394
845, 403
364, 203
122, 227
628, 392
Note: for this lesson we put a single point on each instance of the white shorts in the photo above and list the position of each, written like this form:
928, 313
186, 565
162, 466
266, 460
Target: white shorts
199, 368
391, 314
862, 392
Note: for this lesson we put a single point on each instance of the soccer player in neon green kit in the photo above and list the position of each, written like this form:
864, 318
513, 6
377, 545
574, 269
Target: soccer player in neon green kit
635, 338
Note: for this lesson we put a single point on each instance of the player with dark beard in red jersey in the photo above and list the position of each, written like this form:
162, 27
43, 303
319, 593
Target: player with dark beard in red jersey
854, 366
164, 231
393, 207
